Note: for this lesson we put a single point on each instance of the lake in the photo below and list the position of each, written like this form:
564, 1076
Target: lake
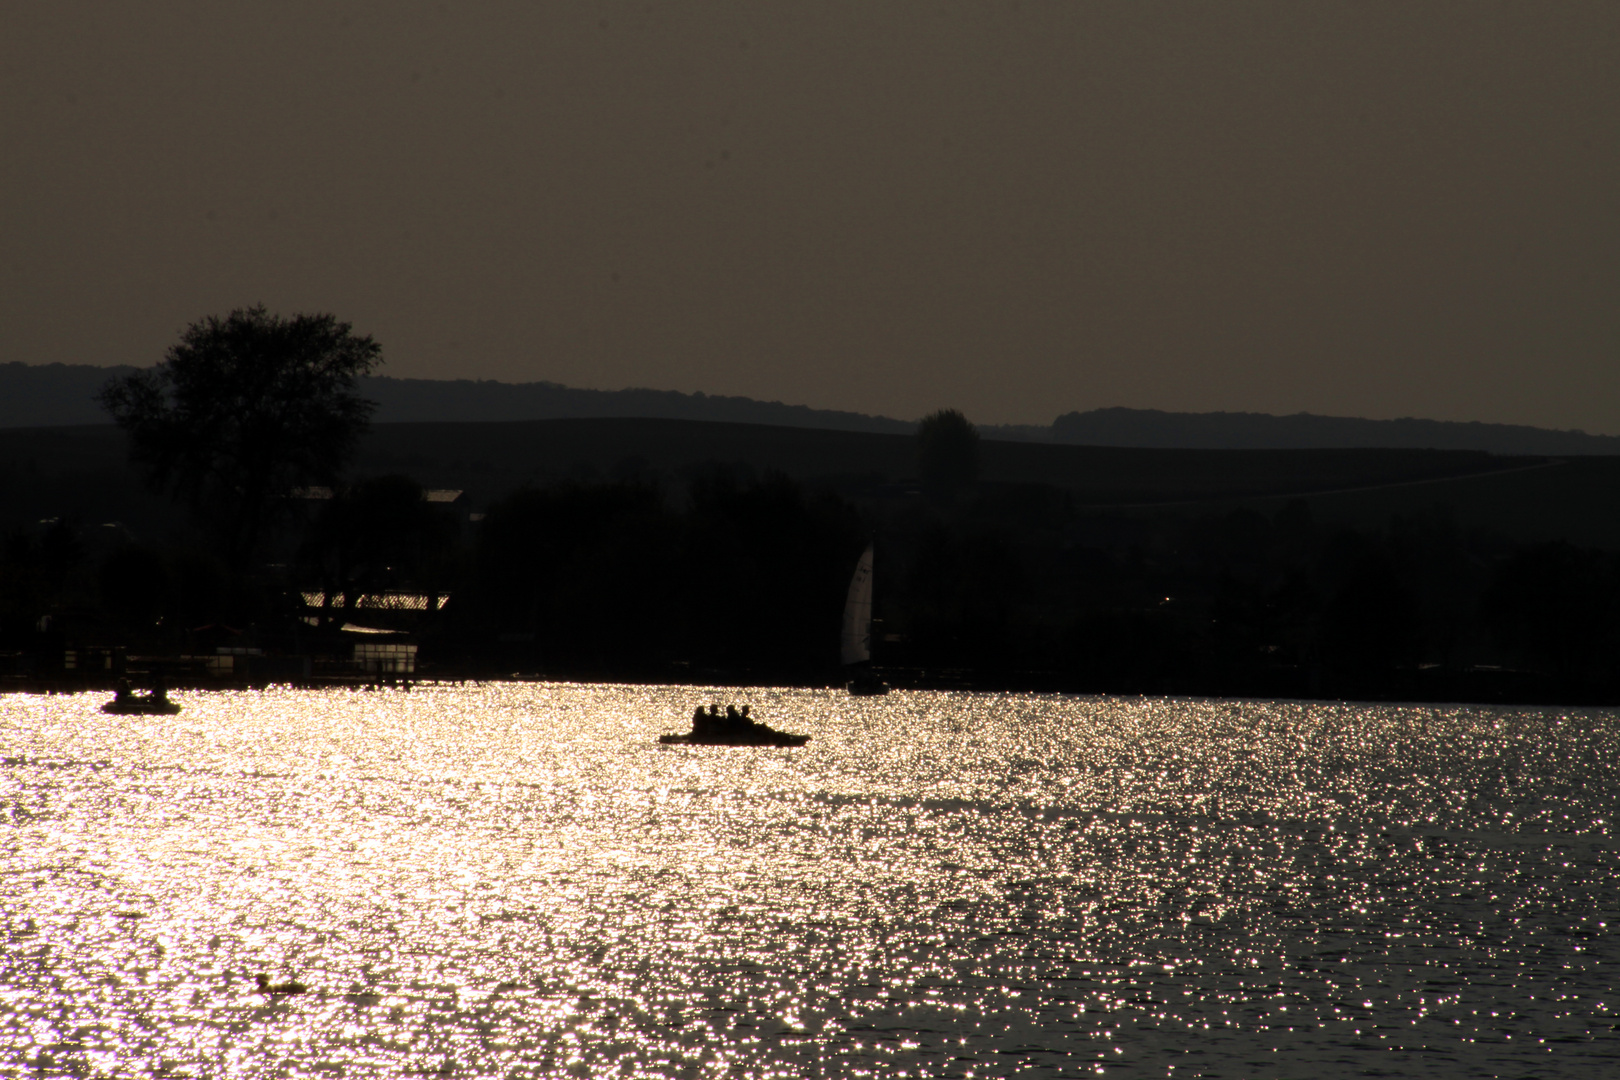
515, 879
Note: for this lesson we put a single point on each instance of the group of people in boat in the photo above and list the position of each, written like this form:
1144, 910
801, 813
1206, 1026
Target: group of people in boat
126, 700
125, 694
713, 723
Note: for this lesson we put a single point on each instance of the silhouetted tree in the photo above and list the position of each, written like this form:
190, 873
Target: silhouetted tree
1368, 622
960, 592
198, 587
581, 571
377, 535
61, 553
242, 411
1445, 585
947, 453
1554, 606
765, 568
24, 596
134, 585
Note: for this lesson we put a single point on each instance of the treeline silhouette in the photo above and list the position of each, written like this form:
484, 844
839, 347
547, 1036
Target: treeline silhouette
725, 575
1248, 604
739, 575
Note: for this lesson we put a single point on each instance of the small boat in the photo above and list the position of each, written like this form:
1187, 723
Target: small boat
855, 646
731, 728
141, 705
291, 986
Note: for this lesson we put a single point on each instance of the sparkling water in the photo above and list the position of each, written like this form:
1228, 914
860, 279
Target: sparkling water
517, 880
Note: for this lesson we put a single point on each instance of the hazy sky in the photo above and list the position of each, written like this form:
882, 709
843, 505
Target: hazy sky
1018, 209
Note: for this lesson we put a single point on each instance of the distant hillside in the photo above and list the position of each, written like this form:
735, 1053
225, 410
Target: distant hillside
50, 395
1305, 431
438, 400
82, 472
491, 458
64, 394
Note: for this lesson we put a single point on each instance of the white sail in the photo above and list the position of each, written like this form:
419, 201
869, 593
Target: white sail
856, 645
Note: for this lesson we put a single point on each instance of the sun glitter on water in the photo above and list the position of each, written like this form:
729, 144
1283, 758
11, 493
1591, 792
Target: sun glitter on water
515, 879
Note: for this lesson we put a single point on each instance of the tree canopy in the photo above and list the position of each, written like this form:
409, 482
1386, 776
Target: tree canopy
377, 535
947, 452
242, 411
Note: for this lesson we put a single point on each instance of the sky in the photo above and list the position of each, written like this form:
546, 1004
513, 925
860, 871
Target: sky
1016, 209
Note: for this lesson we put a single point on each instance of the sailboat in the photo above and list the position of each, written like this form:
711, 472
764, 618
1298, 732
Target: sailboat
855, 647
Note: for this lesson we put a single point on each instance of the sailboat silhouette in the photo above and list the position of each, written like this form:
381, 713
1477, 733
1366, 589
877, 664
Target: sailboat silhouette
855, 645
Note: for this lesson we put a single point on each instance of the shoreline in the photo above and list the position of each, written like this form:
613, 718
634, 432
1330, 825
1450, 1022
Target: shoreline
1489, 687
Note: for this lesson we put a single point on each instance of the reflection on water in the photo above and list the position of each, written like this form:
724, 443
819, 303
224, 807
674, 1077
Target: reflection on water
516, 880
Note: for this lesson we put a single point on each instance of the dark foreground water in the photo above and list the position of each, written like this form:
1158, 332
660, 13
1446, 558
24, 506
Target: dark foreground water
516, 880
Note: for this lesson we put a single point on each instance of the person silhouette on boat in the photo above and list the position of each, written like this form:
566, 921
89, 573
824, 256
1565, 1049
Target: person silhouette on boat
160, 690
124, 694
712, 727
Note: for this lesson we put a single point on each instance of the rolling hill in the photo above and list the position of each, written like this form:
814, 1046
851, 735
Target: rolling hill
81, 470
64, 394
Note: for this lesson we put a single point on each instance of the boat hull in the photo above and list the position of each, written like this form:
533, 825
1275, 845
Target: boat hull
141, 707
760, 738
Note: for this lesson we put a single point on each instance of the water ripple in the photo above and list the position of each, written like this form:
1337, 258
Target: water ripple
516, 880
